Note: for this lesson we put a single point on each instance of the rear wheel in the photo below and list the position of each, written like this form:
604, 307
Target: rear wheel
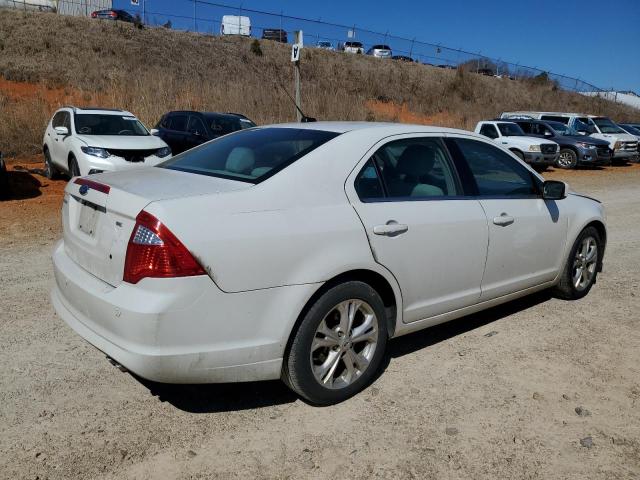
337, 349
581, 269
519, 154
74, 169
49, 170
567, 159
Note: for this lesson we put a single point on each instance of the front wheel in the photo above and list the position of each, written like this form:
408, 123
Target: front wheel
339, 345
74, 169
567, 159
581, 269
519, 154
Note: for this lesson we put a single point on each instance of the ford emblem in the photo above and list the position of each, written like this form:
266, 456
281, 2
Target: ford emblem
84, 189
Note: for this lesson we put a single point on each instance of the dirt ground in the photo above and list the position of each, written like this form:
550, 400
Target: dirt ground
538, 388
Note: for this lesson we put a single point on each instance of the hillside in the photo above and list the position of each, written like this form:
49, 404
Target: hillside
47, 60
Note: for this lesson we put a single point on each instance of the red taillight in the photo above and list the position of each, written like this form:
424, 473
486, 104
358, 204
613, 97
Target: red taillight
113, 14
100, 187
94, 14
153, 251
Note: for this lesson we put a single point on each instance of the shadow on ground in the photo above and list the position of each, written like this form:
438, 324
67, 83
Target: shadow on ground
21, 184
225, 397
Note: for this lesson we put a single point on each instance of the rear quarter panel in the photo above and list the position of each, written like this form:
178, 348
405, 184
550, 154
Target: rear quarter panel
296, 227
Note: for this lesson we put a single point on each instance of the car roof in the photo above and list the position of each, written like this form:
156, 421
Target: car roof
344, 127
97, 111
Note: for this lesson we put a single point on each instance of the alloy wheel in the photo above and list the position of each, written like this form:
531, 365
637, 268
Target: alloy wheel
585, 263
565, 160
344, 344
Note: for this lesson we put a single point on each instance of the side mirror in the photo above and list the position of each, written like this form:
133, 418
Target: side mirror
154, 131
62, 130
554, 190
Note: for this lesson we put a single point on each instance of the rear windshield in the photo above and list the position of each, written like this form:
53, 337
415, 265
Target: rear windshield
381, 47
98, 124
250, 155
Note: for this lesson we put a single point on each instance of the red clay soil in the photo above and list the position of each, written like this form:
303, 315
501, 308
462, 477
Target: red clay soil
401, 113
33, 205
54, 96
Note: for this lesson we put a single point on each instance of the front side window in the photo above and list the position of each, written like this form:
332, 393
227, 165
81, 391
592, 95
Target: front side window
179, 122
412, 168
250, 155
99, 124
495, 172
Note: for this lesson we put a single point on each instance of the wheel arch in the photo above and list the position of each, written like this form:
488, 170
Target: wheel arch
602, 232
374, 279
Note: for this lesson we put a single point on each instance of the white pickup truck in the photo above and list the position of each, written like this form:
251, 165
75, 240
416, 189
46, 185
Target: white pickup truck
536, 151
623, 146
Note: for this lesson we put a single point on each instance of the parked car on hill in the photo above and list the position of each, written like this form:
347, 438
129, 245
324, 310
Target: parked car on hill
85, 141
275, 34
403, 58
324, 45
235, 25
251, 257
575, 149
110, 14
623, 145
380, 51
537, 152
351, 47
182, 130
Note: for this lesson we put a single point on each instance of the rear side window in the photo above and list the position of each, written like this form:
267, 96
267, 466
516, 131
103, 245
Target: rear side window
250, 155
495, 172
412, 168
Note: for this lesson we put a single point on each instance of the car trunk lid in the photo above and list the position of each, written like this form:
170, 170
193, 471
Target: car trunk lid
99, 212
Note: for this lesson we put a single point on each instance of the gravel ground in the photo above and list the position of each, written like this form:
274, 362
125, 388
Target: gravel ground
538, 388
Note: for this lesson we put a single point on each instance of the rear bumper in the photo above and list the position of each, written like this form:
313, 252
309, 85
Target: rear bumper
182, 330
538, 158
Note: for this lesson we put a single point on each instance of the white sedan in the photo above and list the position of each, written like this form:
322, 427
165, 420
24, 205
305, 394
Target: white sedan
296, 251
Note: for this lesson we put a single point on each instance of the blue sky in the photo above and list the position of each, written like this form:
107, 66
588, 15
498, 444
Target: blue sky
597, 41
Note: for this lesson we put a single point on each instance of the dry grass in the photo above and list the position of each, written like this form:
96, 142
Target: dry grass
151, 71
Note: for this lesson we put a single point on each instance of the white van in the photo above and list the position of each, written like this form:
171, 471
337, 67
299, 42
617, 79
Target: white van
623, 145
235, 25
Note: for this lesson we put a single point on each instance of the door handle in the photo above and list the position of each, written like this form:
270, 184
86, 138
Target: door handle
503, 220
390, 229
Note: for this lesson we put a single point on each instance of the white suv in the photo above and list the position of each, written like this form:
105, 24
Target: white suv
83, 141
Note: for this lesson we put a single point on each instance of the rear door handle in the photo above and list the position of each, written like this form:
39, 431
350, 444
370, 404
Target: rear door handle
390, 229
503, 220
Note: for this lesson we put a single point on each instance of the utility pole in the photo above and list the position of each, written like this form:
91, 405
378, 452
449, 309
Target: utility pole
295, 58
195, 24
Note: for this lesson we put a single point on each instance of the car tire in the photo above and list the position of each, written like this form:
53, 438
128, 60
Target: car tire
519, 154
74, 169
49, 170
567, 159
582, 266
324, 364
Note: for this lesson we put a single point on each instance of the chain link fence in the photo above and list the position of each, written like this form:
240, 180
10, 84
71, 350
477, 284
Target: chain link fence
205, 17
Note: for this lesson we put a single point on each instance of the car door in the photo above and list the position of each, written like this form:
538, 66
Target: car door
420, 226
176, 132
59, 145
196, 132
526, 233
